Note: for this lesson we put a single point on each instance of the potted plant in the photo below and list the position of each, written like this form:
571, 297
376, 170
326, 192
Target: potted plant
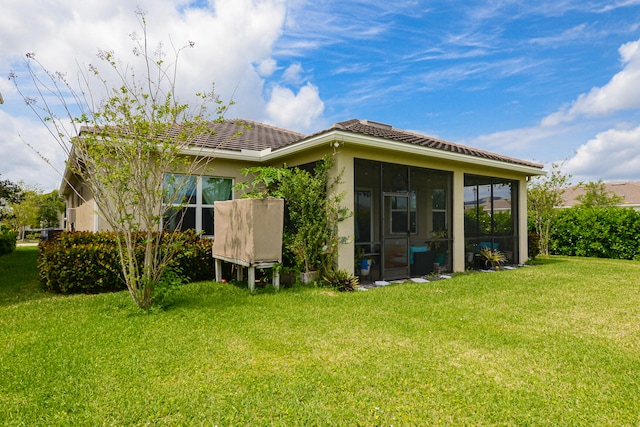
438, 245
363, 263
302, 252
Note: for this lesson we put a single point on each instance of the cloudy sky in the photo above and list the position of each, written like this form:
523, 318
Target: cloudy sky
545, 81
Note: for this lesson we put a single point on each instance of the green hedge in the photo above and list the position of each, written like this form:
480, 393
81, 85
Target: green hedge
85, 262
597, 232
7, 241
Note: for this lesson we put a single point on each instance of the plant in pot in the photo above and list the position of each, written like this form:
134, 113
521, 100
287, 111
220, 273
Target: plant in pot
439, 245
303, 260
363, 263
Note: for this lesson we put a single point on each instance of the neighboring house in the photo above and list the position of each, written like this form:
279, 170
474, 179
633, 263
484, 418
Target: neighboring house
411, 195
629, 191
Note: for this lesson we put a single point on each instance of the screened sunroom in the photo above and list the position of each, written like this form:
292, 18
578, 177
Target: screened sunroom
402, 217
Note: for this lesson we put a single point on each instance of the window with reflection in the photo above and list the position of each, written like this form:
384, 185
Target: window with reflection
490, 213
191, 199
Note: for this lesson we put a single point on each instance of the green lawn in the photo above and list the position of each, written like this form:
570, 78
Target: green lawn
555, 344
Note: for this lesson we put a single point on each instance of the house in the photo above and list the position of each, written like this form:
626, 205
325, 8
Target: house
628, 191
418, 202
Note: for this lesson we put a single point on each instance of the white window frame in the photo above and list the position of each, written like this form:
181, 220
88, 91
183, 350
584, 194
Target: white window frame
198, 205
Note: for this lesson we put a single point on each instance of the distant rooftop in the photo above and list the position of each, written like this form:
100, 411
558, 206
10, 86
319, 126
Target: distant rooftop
629, 191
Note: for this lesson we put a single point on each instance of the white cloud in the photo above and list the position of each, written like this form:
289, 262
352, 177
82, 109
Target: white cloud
611, 155
267, 67
519, 140
234, 48
19, 162
620, 93
293, 74
573, 33
299, 111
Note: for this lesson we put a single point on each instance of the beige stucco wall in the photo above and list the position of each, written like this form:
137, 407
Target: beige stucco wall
344, 155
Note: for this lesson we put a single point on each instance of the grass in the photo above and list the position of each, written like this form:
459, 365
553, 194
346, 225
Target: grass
555, 344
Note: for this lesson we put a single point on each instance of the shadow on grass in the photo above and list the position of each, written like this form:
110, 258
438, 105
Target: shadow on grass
551, 260
224, 296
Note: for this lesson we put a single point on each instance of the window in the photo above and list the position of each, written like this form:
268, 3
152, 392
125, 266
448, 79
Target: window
399, 210
192, 199
439, 210
490, 215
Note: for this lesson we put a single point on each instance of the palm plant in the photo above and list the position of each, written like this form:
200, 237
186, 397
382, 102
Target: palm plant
492, 257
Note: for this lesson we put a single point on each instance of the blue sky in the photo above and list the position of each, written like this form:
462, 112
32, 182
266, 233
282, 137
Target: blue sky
546, 81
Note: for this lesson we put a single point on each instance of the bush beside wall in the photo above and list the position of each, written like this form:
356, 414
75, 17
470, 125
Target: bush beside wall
597, 232
533, 244
85, 262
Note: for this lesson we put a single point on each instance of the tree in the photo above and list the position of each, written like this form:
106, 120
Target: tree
50, 207
123, 147
544, 198
25, 213
10, 192
596, 195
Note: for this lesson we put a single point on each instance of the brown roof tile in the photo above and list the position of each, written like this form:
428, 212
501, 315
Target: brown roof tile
381, 130
240, 134
243, 134
237, 134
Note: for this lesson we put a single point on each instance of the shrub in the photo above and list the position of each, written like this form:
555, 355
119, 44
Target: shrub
340, 280
85, 262
7, 241
533, 244
597, 232
492, 257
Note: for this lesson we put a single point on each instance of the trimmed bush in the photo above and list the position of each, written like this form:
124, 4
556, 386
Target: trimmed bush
7, 241
597, 232
85, 262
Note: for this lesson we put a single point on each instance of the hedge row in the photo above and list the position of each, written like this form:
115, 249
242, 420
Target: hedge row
597, 232
85, 262
7, 241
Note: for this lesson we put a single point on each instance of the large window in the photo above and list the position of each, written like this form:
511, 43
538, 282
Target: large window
192, 199
490, 212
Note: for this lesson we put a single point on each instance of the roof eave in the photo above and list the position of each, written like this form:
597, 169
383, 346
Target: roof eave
386, 144
240, 155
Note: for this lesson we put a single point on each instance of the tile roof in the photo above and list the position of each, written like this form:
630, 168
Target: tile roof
629, 191
237, 134
381, 130
240, 134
